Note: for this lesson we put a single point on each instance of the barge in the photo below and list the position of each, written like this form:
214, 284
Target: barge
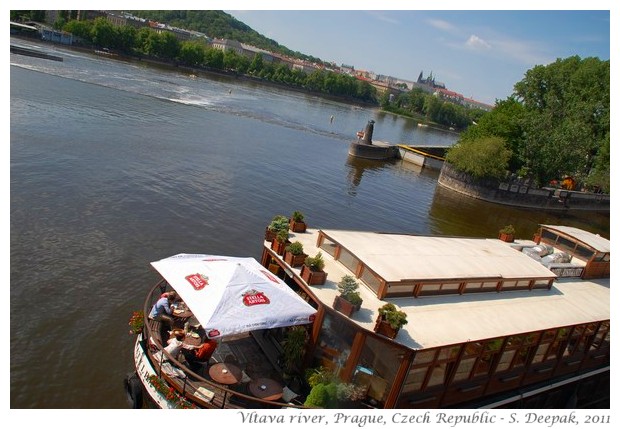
489, 324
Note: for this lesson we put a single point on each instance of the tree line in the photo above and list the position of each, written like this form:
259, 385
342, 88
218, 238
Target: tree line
165, 46
418, 103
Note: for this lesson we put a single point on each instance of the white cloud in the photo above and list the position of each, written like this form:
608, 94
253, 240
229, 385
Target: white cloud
383, 17
475, 42
443, 25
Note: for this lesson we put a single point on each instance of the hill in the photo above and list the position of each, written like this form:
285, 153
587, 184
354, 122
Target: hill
218, 24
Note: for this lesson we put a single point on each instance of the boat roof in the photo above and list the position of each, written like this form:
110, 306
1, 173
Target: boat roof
398, 257
451, 319
594, 241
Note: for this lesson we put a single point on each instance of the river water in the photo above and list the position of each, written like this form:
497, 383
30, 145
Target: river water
115, 164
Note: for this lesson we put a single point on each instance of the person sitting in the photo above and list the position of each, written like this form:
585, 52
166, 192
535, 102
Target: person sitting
162, 310
200, 355
175, 344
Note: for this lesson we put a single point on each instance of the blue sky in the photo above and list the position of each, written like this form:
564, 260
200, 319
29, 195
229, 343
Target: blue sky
478, 53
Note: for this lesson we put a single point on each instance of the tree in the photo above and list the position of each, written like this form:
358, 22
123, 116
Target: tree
566, 120
485, 157
103, 33
192, 53
81, 29
504, 121
169, 46
256, 65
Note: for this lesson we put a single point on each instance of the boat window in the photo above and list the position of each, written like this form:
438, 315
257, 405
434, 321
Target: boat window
540, 353
401, 289
566, 243
335, 340
541, 284
424, 356
370, 279
584, 252
415, 379
464, 369
481, 286
550, 236
328, 246
384, 360
348, 260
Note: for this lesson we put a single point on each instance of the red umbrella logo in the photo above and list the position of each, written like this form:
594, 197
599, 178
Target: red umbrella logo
198, 281
254, 297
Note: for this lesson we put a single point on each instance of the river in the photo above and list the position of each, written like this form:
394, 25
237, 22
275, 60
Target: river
114, 164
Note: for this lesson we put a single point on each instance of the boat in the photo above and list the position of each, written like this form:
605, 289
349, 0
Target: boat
365, 148
488, 323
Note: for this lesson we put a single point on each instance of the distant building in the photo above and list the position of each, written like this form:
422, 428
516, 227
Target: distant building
429, 81
227, 45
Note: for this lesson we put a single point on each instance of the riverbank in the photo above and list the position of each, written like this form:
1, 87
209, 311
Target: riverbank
206, 71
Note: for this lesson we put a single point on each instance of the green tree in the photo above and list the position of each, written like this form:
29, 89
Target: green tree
103, 33
256, 65
81, 29
485, 157
505, 121
566, 122
126, 38
214, 58
192, 53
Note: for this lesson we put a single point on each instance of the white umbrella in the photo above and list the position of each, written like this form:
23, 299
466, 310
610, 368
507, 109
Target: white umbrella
230, 295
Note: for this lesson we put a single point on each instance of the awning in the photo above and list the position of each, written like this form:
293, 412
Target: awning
230, 295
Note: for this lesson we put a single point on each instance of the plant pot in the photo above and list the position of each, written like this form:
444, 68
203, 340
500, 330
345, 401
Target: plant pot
297, 226
343, 306
274, 268
508, 238
313, 277
269, 235
384, 328
294, 260
279, 246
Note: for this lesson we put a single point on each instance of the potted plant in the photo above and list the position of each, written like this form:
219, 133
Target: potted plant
507, 234
294, 254
390, 320
281, 241
274, 267
349, 299
294, 348
296, 223
278, 223
312, 270
136, 322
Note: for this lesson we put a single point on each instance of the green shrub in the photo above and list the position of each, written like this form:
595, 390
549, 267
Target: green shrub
485, 157
295, 248
315, 263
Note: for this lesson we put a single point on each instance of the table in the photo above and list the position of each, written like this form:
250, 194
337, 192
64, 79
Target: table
266, 388
225, 373
191, 342
182, 313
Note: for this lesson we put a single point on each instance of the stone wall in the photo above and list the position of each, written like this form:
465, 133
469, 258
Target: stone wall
520, 193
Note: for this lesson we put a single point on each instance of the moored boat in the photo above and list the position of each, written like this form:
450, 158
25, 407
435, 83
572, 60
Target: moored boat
479, 323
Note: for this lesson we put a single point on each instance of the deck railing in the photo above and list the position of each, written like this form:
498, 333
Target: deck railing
188, 385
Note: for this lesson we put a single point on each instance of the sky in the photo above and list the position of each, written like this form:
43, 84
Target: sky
478, 53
